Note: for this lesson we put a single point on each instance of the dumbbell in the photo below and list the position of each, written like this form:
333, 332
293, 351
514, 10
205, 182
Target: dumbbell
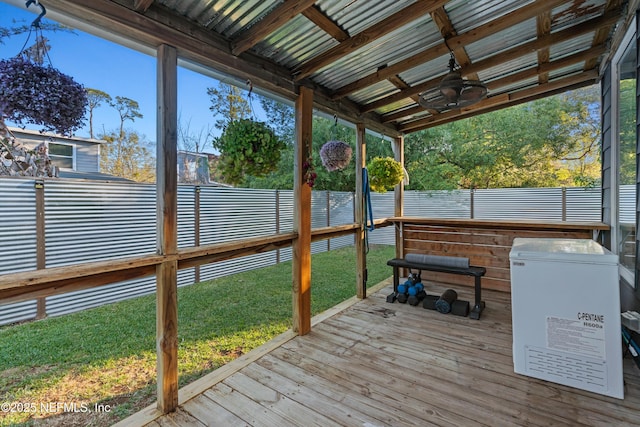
403, 290
416, 294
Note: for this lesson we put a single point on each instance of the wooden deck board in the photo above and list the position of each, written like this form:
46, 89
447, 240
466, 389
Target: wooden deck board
381, 364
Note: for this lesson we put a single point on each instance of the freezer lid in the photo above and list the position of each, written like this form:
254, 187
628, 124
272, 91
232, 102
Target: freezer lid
567, 250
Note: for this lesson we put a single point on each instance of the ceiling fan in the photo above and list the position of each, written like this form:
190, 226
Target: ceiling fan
453, 91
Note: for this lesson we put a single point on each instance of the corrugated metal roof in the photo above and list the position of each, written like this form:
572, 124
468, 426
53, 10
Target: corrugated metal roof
572, 13
466, 15
282, 44
502, 40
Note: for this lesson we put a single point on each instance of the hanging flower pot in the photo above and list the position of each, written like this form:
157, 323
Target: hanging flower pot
335, 155
42, 95
384, 173
247, 147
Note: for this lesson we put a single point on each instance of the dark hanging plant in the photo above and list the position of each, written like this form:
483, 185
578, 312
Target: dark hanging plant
247, 147
335, 155
42, 95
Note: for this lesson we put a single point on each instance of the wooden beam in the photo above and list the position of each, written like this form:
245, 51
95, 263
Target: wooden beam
398, 196
602, 34
197, 45
322, 21
547, 67
59, 280
260, 246
26, 285
142, 5
41, 243
457, 41
279, 16
543, 28
167, 230
506, 100
360, 242
441, 18
508, 55
302, 215
387, 25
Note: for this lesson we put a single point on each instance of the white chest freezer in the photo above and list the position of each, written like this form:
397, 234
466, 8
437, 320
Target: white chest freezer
565, 302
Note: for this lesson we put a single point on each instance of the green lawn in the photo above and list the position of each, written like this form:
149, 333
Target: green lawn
107, 355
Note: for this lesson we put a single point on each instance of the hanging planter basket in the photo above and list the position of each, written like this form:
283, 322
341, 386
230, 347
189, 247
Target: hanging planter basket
41, 95
247, 147
384, 174
335, 155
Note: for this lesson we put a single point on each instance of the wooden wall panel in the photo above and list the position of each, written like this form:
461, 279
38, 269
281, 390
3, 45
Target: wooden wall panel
486, 245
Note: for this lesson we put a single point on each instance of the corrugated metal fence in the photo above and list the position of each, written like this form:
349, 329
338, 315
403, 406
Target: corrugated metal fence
87, 221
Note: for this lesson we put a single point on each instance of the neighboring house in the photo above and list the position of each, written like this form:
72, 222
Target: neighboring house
75, 157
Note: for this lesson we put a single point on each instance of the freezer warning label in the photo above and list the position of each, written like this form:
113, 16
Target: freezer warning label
581, 335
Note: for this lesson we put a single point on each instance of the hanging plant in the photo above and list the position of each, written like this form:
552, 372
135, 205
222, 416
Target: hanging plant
335, 155
247, 147
384, 173
309, 172
40, 94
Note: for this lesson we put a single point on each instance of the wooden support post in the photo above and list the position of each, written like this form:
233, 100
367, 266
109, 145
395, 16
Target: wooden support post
398, 196
167, 230
302, 215
361, 248
277, 223
196, 228
41, 247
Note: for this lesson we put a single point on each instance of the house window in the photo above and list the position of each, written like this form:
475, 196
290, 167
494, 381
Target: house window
624, 102
62, 155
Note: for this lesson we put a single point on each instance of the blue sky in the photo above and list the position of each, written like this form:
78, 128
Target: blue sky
119, 71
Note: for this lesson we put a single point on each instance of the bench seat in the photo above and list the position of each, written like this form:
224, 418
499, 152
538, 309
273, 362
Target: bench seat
453, 265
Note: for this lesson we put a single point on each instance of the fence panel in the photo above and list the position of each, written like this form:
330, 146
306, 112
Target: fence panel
88, 221
585, 204
518, 203
228, 214
438, 204
187, 215
92, 221
285, 209
627, 196
341, 212
17, 215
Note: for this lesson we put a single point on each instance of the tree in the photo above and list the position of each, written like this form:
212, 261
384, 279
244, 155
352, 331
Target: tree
548, 142
192, 140
228, 103
125, 152
96, 98
127, 109
627, 150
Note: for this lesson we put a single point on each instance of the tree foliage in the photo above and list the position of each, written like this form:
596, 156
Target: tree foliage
228, 103
95, 99
127, 154
548, 142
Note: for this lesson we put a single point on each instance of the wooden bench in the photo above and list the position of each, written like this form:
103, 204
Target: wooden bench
441, 264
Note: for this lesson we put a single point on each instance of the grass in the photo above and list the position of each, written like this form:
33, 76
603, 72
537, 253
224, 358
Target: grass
107, 356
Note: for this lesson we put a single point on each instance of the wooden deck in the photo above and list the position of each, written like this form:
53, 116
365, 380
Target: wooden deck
380, 364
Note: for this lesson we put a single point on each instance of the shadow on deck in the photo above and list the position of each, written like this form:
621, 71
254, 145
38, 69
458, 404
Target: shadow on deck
381, 364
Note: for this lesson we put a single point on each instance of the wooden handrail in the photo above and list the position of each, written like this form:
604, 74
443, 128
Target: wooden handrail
511, 224
31, 284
